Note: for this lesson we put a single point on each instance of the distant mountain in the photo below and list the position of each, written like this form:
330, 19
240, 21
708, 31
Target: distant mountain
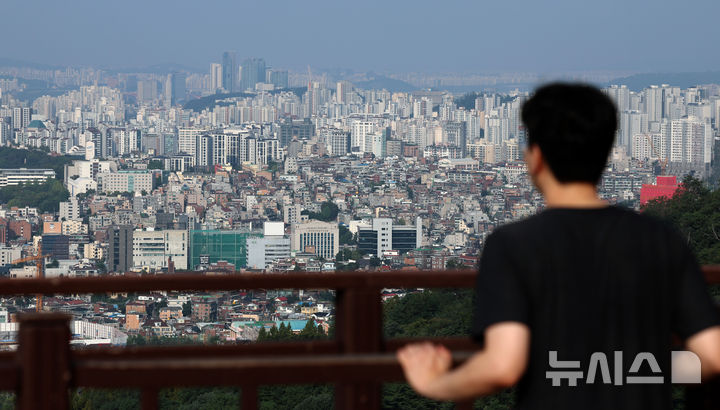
638, 82
379, 82
162, 68
9, 62
199, 104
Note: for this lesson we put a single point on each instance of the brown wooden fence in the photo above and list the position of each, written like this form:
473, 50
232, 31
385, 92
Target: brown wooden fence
357, 361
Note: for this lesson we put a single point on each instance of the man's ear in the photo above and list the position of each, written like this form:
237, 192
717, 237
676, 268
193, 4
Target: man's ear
534, 159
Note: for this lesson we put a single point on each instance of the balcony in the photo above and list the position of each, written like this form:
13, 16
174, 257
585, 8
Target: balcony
357, 361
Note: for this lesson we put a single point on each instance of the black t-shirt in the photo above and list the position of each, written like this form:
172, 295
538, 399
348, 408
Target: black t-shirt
590, 283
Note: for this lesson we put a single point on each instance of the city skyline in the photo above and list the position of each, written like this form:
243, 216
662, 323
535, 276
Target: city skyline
483, 38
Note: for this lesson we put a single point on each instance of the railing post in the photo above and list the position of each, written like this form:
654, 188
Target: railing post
358, 325
249, 397
44, 359
150, 399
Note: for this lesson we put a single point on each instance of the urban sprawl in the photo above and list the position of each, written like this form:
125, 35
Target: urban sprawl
253, 169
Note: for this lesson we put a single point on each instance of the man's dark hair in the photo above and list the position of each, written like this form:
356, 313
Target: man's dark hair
574, 126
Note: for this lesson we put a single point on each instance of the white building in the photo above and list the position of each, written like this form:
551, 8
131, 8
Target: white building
151, 249
70, 210
125, 181
360, 131
320, 238
274, 245
690, 141
88, 169
24, 176
8, 255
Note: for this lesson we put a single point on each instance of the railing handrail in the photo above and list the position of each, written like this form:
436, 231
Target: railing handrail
353, 359
244, 280
240, 280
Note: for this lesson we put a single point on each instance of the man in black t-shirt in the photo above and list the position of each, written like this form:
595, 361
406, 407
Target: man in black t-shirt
577, 304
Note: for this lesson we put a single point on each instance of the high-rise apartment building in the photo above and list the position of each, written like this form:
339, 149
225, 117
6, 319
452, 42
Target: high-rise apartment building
229, 71
691, 142
21, 117
216, 77
187, 139
343, 92
147, 91
359, 132
175, 88
253, 72
278, 78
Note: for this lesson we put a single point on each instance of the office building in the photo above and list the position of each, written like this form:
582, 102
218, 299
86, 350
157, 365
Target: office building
273, 245
382, 236
120, 248
456, 135
211, 246
125, 181
316, 237
153, 249
25, 176
337, 141
56, 246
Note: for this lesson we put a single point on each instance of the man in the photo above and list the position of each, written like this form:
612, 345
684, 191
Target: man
569, 301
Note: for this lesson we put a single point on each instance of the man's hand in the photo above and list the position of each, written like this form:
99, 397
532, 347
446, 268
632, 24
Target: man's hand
424, 364
499, 365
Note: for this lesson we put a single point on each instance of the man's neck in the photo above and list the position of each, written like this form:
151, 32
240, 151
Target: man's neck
572, 195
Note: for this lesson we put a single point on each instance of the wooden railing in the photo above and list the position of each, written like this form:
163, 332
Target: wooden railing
357, 361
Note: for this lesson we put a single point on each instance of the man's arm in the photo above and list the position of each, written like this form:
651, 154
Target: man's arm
706, 344
499, 365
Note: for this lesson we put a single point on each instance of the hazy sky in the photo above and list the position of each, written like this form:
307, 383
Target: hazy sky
387, 35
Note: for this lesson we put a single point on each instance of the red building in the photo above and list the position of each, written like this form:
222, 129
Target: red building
3, 230
21, 229
664, 187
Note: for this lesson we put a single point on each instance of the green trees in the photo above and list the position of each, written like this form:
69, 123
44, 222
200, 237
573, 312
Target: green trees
294, 397
328, 212
23, 158
345, 236
187, 309
467, 101
453, 263
45, 196
284, 333
695, 211
433, 313
156, 164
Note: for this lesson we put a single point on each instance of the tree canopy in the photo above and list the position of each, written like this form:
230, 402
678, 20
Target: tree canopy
694, 210
45, 196
328, 212
24, 158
